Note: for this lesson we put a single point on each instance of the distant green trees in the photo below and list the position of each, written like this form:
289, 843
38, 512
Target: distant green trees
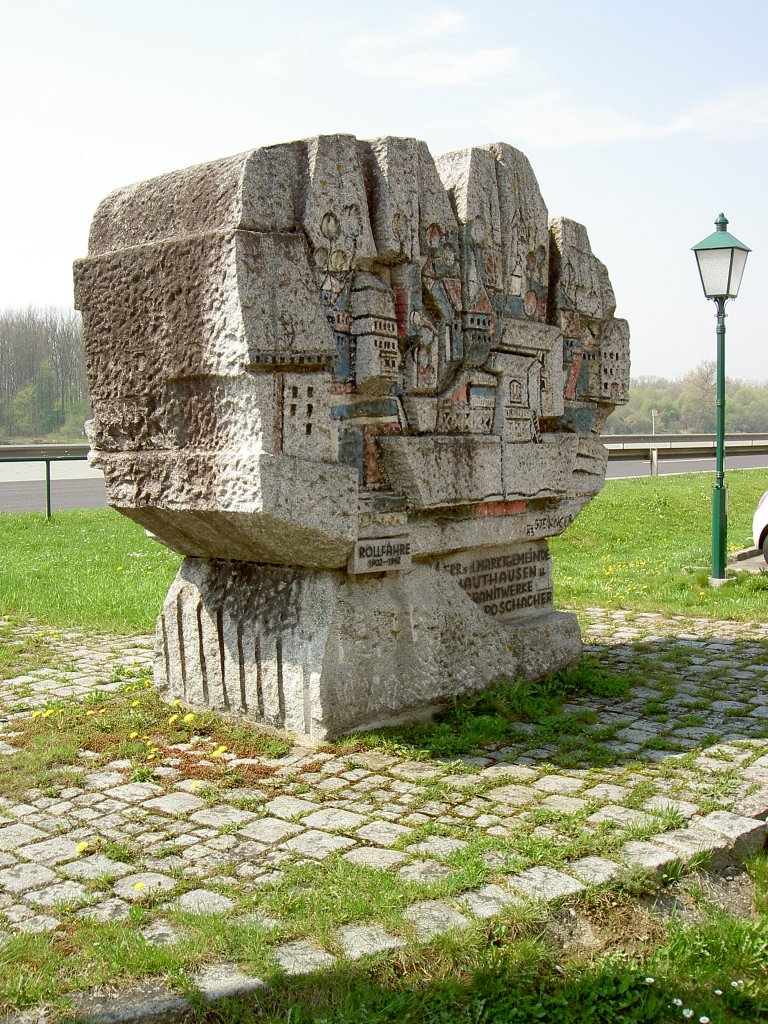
43, 391
687, 405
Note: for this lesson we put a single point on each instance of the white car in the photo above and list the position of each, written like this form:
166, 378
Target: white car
760, 525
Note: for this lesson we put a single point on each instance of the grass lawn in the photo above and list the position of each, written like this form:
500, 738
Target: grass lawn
94, 570
644, 544
641, 544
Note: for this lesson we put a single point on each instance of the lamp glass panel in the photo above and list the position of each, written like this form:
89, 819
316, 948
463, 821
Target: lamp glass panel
715, 267
739, 260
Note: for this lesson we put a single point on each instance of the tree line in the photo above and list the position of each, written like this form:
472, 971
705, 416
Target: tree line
43, 391
688, 405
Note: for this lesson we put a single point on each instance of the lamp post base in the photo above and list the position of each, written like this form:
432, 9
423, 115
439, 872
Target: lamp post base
719, 581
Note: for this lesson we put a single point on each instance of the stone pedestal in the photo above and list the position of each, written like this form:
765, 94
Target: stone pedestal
323, 653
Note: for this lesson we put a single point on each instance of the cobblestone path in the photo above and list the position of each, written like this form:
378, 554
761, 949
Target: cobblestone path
691, 738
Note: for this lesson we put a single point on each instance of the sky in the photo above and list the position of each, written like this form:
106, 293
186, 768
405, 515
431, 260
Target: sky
641, 121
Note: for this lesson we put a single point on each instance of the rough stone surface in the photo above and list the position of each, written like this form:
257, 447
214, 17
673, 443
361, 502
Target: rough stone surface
96, 866
219, 981
369, 857
150, 1003
316, 844
424, 871
647, 856
545, 883
109, 910
143, 884
431, 918
175, 803
301, 957
488, 900
161, 933
363, 940
746, 835
593, 870
14, 836
203, 901
359, 388
23, 877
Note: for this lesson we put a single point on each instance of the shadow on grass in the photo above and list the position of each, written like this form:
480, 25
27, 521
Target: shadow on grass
575, 718
515, 989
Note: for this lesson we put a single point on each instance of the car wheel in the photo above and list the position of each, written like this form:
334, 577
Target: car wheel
765, 546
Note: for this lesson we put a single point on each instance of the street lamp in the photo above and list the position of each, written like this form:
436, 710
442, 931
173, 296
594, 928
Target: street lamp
721, 259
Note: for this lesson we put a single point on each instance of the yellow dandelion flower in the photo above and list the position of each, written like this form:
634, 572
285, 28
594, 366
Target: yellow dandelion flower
82, 847
135, 703
172, 719
196, 784
36, 714
138, 886
103, 711
188, 718
48, 713
90, 713
132, 735
177, 703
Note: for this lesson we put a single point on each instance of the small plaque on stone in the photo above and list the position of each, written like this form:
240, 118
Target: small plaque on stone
380, 554
507, 583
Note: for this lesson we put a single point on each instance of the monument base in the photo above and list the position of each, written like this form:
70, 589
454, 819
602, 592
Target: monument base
322, 653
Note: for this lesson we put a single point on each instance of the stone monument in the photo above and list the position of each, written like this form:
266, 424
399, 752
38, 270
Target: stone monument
358, 388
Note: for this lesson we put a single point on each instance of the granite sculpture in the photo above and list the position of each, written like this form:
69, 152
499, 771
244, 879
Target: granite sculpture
358, 388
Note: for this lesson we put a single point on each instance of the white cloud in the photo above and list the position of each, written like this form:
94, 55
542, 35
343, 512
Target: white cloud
401, 57
741, 113
433, 67
555, 118
441, 23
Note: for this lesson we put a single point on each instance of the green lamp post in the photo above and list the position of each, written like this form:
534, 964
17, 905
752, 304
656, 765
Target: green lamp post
721, 259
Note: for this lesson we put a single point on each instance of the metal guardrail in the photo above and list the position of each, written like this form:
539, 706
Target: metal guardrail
668, 446
47, 454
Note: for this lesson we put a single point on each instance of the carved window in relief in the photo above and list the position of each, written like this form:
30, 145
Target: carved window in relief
515, 392
301, 408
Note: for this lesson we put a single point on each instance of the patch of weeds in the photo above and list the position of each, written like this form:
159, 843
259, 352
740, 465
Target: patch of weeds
120, 851
142, 773
230, 828
470, 724
247, 803
133, 724
640, 794
691, 721
315, 898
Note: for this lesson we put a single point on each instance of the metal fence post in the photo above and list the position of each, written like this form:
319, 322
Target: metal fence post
47, 488
654, 453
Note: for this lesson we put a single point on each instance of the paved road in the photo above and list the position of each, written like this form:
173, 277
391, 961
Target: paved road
29, 496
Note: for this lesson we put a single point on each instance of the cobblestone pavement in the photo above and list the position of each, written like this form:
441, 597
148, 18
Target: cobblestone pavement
691, 738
